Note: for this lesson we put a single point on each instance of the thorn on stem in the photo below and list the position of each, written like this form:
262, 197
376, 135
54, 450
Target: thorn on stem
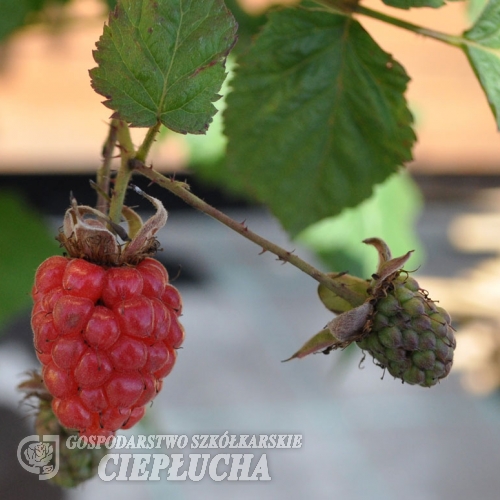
338, 275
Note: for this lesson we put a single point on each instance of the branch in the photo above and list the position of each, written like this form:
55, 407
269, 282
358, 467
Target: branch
181, 190
103, 173
347, 8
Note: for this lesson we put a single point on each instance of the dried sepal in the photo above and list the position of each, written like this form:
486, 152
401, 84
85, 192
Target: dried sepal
387, 266
391, 267
384, 252
348, 326
88, 238
33, 387
342, 331
89, 234
319, 342
144, 242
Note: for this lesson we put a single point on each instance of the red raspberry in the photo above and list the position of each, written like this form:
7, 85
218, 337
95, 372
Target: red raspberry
106, 337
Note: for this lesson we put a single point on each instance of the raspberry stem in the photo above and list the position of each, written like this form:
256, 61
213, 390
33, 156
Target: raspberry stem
181, 190
103, 173
120, 131
143, 151
348, 7
127, 153
132, 161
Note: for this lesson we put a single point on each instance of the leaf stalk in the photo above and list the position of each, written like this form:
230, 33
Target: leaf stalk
347, 8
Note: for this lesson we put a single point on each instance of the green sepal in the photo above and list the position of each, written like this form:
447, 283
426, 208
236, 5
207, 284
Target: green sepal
321, 341
337, 304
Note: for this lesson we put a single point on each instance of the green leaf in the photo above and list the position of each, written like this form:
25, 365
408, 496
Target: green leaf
474, 9
110, 3
408, 4
24, 244
482, 48
316, 118
13, 15
248, 25
389, 214
163, 61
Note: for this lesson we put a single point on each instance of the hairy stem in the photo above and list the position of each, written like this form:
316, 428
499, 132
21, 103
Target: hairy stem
127, 153
181, 190
103, 172
456, 41
128, 156
143, 151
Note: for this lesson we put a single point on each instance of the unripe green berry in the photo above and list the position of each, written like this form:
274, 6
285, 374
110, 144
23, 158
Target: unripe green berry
408, 334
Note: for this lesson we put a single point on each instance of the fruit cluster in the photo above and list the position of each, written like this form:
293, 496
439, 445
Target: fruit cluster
106, 337
408, 334
391, 317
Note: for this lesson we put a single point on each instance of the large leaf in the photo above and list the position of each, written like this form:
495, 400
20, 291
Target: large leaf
389, 214
13, 15
163, 61
317, 116
483, 50
474, 9
110, 3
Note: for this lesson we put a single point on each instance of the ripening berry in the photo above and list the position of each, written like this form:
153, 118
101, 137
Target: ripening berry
106, 337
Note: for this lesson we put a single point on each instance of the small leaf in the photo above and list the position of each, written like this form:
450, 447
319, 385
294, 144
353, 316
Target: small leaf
316, 118
319, 342
337, 304
163, 61
482, 47
147, 231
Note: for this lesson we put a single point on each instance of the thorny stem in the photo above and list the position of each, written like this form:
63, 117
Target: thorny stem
103, 173
127, 152
143, 151
181, 190
347, 8
132, 161
128, 155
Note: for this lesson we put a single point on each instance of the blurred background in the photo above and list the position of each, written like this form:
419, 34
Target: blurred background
364, 436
